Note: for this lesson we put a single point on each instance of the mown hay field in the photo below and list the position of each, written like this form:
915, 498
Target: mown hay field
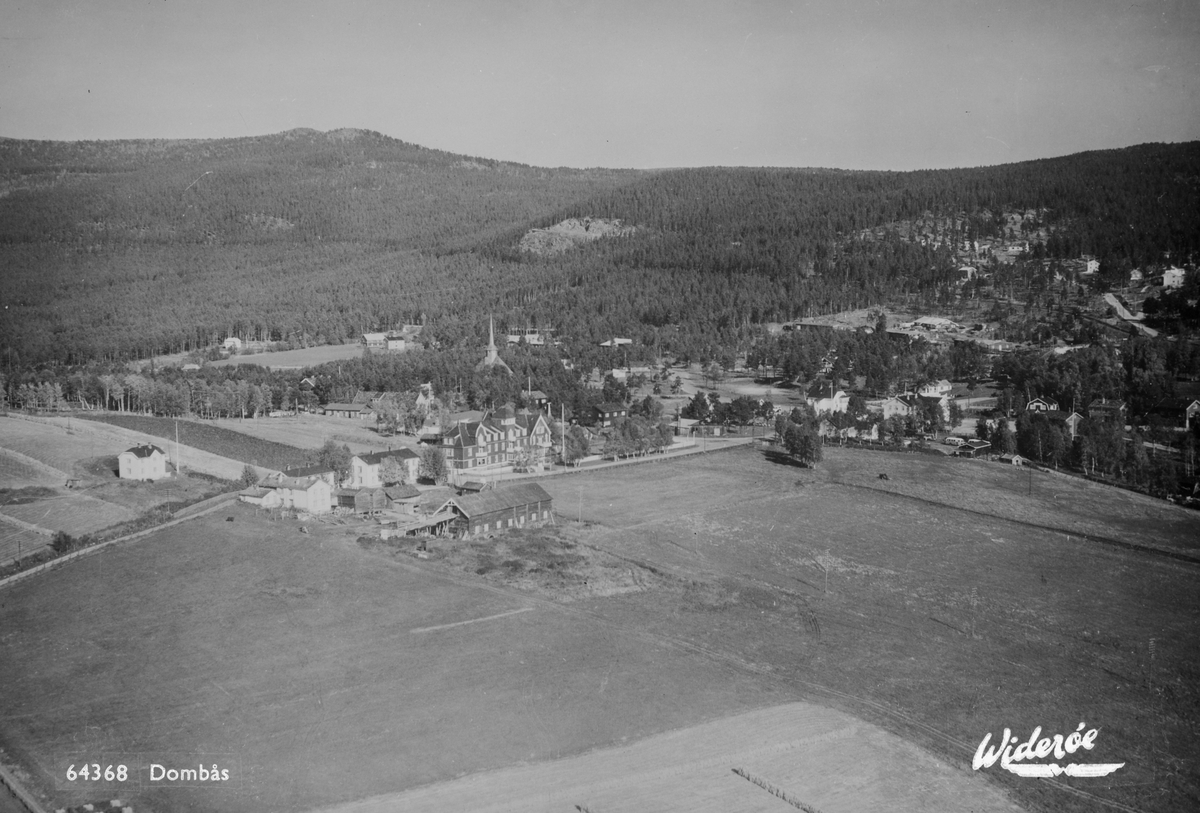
308, 431
54, 446
206, 436
16, 471
327, 671
918, 611
68, 511
756, 762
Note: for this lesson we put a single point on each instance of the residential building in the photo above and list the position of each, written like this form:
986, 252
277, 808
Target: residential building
1179, 413
143, 462
311, 494
501, 439
607, 414
824, 397
366, 469
1106, 410
1173, 277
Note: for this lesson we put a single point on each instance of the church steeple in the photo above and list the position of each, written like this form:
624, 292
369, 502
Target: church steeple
492, 359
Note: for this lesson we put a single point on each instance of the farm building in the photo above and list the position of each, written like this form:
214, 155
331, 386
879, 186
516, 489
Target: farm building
143, 462
496, 509
360, 411
1041, 404
973, 448
260, 496
403, 498
362, 500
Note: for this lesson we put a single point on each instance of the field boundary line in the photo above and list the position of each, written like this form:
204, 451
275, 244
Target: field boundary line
93, 549
1132, 546
472, 620
34, 463
28, 526
27, 801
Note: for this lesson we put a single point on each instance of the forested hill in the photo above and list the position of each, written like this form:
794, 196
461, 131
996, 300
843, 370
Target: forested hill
1130, 204
132, 248
297, 186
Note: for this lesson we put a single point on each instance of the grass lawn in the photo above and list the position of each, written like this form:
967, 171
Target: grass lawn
207, 437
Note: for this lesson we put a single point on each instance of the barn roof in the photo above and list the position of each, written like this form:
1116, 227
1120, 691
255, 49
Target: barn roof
500, 499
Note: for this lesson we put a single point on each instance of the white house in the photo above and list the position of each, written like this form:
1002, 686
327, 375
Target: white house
1173, 277
142, 462
365, 469
936, 389
311, 494
233, 344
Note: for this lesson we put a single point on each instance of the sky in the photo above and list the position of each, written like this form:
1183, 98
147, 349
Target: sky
855, 84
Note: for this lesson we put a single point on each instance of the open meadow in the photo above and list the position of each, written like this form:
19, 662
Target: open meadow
843, 641
295, 359
308, 431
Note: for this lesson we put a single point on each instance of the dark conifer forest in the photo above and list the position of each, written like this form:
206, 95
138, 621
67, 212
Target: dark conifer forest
128, 249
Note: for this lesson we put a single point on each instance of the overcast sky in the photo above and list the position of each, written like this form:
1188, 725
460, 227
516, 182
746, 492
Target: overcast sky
861, 84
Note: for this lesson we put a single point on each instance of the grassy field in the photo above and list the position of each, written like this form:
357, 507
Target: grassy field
937, 621
37, 458
308, 431
330, 671
327, 671
288, 359
210, 438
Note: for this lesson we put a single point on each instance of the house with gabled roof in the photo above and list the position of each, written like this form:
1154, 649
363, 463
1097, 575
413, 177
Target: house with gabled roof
824, 396
1179, 413
1059, 417
498, 509
366, 469
311, 493
143, 462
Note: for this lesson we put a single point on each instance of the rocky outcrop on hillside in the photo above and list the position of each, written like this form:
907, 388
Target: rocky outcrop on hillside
570, 233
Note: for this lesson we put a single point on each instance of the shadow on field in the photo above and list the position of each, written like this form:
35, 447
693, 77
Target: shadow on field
783, 459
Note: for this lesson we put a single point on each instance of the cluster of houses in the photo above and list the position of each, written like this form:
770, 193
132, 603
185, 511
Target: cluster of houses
401, 339
475, 509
